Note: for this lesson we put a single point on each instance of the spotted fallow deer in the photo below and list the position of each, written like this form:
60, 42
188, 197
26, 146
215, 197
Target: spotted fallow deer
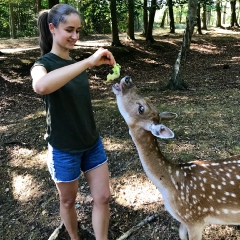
196, 193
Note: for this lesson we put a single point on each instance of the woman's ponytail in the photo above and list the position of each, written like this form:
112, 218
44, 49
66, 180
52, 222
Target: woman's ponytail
45, 38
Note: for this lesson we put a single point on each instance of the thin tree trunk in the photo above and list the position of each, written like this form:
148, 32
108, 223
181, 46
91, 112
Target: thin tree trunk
38, 6
233, 14
51, 3
149, 36
145, 18
218, 10
171, 16
176, 82
130, 28
164, 17
115, 36
204, 17
199, 28
224, 13
12, 22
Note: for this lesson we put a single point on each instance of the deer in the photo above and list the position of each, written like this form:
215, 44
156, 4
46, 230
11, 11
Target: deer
196, 193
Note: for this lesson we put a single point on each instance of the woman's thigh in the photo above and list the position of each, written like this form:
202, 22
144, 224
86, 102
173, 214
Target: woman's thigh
98, 181
67, 190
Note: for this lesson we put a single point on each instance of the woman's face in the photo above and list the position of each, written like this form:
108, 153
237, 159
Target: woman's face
67, 33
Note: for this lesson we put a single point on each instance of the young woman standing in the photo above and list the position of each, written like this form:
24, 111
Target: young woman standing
74, 144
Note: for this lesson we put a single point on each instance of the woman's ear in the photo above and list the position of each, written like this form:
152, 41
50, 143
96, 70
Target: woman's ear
51, 28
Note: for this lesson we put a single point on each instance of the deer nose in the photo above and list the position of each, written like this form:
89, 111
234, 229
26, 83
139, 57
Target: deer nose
127, 79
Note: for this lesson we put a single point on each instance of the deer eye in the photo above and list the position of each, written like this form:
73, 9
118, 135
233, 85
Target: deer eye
141, 109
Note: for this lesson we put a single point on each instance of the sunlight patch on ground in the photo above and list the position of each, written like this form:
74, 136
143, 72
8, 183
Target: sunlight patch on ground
113, 145
24, 187
136, 192
220, 232
209, 48
35, 115
27, 158
14, 50
97, 43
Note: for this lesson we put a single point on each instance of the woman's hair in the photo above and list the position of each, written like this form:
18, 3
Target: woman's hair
57, 14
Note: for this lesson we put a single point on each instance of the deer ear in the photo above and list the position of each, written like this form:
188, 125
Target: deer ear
167, 116
161, 131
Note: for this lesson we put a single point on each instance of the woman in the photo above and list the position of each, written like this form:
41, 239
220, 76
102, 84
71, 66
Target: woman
74, 144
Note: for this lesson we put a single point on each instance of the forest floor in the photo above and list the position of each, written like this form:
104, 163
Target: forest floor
207, 128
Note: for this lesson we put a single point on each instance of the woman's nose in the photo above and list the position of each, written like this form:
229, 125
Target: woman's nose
75, 35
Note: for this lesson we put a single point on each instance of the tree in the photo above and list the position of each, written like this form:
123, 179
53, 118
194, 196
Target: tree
152, 11
13, 31
164, 17
199, 27
233, 14
130, 20
171, 16
176, 81
204, 17
218, 10
115, 36
145, 18
51, 3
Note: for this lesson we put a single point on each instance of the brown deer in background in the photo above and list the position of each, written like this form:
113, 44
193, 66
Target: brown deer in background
196, 193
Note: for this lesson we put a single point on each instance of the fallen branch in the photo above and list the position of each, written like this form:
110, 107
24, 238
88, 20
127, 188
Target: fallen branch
61, 227
139, 225
55, 233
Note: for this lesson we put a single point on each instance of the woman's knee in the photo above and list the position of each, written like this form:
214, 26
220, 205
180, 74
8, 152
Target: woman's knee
67, 193
103, 197
67, 202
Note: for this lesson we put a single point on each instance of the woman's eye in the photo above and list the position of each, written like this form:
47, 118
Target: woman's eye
141, 109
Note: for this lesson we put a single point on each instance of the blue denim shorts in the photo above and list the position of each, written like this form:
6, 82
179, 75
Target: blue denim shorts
67, 167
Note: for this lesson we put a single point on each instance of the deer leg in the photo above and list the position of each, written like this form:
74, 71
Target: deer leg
183, 232
195, 232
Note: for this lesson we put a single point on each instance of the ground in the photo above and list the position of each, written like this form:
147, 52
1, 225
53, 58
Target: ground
207, 128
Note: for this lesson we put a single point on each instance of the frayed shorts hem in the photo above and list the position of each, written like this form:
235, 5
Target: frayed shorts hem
67, 167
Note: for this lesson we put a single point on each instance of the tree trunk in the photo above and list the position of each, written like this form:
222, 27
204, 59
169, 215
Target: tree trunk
199, 28
163, 18
130, 28
115, 36
204, 17
145, 18
176, 82
149, 36
233, 14
224, 13
171, 16
38, 6
218, 10
51, 3
13, 31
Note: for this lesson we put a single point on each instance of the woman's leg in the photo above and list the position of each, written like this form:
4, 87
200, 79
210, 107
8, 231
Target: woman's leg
67, 194
98, 180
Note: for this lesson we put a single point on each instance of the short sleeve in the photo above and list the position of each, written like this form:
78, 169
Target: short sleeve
42, 62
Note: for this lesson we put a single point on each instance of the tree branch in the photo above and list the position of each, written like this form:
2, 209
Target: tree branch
139, 225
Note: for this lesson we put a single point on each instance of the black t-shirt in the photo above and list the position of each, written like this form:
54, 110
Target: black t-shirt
69, 115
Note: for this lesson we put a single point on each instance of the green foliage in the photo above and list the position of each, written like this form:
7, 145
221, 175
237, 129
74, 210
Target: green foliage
24, 15
97, 15
4, 21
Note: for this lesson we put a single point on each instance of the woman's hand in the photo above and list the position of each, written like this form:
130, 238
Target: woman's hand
101, 56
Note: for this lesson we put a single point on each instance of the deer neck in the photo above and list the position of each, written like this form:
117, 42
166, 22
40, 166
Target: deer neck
156, 166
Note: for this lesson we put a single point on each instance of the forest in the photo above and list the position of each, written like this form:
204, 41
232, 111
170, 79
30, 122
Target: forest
182, 55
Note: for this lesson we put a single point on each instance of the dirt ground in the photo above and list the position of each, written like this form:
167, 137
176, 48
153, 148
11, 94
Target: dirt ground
207, 128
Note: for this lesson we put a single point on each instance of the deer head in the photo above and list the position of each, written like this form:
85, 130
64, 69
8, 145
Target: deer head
132, 105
